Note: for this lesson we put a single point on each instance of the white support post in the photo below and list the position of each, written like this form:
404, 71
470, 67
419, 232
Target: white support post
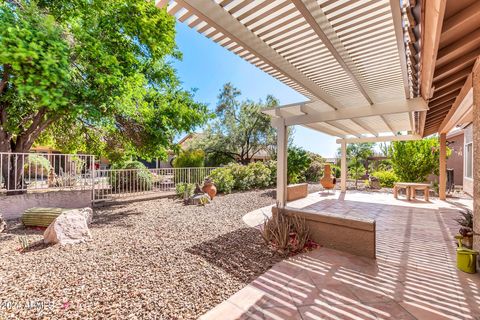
343, 167
279, 124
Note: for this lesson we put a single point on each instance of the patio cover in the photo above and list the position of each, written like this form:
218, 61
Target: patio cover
348, 57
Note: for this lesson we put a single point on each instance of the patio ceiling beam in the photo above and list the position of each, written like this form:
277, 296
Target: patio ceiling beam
459, 107
215, 16
315, 17
389, 126
397, 22
365, 127
344, 128
312, 115
407, 137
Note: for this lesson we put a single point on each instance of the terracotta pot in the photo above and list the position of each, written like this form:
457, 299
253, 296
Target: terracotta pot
210, 189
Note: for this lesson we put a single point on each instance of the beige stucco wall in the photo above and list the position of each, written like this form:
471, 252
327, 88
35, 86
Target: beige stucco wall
455, 161
12, 207
468, 182
356, 236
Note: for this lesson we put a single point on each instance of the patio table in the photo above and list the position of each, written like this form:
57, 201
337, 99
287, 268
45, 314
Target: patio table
410, 188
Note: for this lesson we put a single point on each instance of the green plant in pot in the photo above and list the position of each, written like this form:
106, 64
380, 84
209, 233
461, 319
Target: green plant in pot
466, 227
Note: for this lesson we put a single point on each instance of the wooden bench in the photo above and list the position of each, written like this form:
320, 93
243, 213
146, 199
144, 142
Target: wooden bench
411, 188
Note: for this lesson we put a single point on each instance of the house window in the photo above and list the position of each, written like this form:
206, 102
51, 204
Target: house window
468, 160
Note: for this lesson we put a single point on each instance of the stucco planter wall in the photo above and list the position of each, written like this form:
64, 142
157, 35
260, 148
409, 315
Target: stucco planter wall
297, 191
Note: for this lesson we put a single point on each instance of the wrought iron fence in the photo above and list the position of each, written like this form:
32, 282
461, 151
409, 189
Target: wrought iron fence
30, 171
110, 184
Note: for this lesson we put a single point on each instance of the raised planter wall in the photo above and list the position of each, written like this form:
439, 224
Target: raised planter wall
12, 207
297, 191
353, 235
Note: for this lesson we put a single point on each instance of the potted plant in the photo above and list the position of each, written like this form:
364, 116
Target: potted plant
466, 227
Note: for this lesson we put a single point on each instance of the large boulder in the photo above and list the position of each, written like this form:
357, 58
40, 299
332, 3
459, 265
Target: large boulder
70, 227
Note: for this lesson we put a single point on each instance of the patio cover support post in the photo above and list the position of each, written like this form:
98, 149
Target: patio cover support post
442, 177
343, 167
476, 155
282, 142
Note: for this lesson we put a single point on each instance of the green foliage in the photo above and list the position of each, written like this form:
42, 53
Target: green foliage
223, 179
190, 159
37, 164
298, 163
261, 173
92, 76
139, 178
314, 172
466, 220
357, 154
239, 177
240, 130
184, 189
386, 178
413, 161
336, 171
272, 166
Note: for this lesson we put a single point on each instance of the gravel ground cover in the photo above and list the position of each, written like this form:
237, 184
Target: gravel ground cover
154, 259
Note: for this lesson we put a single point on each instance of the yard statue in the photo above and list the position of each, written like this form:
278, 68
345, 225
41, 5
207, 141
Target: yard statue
209, 188
328, 181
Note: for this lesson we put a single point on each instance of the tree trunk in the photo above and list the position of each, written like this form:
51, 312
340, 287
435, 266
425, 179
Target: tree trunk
12, 173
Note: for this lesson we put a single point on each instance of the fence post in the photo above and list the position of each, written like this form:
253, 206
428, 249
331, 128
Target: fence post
92, 164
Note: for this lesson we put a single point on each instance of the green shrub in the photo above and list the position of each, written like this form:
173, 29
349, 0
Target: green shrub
314, 171
336, 171
223, 179
261, 175
386, 178
183, 188
37, 165
242, 176
140, 178
298, 162
190, 159
272, 166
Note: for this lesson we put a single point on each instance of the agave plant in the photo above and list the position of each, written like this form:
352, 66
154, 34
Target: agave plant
466, 220
285, 234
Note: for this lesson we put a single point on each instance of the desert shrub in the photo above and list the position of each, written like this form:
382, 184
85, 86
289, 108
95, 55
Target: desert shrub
298, 162
272, 166
314, 171
242, 176
183, 189
261, 175
223, 179
37, 164
386, 178
139, 178
190, 159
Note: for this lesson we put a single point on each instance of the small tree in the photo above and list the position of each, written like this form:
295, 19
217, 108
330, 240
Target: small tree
240, 130
357, 154
413, 161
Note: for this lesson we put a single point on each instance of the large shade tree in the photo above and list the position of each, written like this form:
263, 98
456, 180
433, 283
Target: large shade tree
240, 130
91, 75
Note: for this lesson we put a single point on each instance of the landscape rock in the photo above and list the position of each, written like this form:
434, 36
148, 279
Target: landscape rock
70, 227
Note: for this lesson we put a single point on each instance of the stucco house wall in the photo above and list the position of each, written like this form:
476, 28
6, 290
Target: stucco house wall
468, 182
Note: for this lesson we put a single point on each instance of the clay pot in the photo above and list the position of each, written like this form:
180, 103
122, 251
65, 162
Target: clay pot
210, 189
328, 181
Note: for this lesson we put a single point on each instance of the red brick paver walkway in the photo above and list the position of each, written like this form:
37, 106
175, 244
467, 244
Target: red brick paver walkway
413, 277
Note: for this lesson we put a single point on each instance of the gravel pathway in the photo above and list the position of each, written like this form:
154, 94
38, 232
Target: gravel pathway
155, 259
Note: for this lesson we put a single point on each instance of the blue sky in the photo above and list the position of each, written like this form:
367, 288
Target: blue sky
206, 66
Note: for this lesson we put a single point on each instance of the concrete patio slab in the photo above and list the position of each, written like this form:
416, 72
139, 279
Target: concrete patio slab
413, 277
